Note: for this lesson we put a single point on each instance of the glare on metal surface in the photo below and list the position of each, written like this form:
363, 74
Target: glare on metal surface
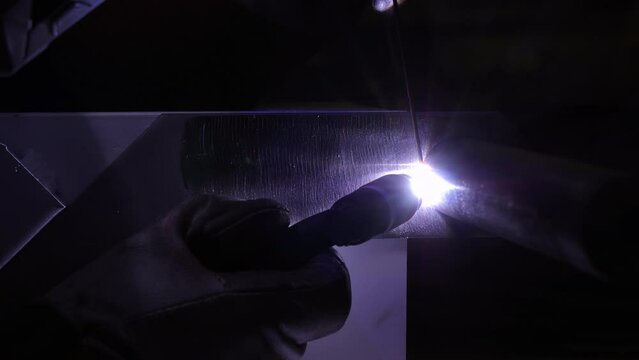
427, 184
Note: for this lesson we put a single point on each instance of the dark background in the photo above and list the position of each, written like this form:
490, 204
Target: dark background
563, 74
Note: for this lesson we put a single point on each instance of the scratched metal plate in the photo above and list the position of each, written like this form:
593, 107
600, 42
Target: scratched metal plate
304, 160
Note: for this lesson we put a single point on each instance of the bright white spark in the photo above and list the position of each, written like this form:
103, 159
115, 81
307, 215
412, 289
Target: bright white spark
427, 184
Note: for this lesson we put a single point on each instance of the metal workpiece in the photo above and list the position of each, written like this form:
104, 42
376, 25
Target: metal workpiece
27, 205
305, 160
567, 210
28, 27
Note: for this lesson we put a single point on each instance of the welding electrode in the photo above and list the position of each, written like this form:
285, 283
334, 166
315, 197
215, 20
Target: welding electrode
371, 210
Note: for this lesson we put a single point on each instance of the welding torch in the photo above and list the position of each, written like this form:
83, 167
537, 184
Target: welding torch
374, 209
371, 210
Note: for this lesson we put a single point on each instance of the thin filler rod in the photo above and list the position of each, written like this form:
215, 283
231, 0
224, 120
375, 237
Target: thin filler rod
409, 99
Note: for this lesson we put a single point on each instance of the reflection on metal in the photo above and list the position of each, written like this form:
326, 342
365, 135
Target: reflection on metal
304, 160
570, 211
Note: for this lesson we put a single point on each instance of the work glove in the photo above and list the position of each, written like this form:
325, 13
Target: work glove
154, 297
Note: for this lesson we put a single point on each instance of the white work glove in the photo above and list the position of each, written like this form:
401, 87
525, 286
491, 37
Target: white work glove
151, 298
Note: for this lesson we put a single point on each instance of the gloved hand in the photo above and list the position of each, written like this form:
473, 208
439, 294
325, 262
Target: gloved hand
150, 296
